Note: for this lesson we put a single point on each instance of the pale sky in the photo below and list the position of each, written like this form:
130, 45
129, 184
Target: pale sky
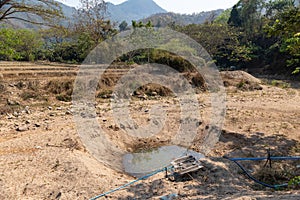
177, 6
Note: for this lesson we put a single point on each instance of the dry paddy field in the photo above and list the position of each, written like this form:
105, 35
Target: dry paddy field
42, 156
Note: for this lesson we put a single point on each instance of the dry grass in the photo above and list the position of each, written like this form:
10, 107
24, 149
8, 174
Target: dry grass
281, 172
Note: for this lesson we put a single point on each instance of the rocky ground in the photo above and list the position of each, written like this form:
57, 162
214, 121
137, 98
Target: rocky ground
43, 157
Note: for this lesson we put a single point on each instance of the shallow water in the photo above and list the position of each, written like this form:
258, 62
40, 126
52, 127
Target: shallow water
140, 164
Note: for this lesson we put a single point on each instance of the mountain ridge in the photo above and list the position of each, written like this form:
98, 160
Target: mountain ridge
146, 10
165, 19
133, 10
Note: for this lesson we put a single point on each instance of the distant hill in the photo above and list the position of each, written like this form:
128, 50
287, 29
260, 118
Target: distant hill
133, 10
128, 11
144, 10
164, 19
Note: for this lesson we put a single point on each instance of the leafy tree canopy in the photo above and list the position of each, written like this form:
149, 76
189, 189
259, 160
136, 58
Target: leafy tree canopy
46, 10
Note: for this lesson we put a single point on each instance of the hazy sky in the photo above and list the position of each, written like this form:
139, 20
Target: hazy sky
178, 6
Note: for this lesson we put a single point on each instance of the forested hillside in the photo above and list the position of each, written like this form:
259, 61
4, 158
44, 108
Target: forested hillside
166, 19
262, 36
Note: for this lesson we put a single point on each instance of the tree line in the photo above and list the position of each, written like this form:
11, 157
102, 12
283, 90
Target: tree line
254, 33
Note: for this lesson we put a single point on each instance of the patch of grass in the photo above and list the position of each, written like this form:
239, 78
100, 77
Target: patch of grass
63, 89
64, 97
248, 86
29, 95
281, 172
294, 183
281, 84
5, 109
2, 87
60, 86
33, 85
241, 84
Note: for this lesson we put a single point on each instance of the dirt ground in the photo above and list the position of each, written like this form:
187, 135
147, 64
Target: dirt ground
42, 156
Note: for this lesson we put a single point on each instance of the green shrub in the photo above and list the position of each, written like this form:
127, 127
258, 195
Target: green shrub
295, 182
280, 84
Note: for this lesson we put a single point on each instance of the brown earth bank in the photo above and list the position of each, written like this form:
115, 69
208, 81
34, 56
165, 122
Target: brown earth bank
43, 157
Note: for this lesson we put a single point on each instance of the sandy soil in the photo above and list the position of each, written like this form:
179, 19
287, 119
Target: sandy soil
42, 156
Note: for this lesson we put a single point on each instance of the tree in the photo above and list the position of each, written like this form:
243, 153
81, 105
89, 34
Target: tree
30, 42
66, 45
247, 14
140, 24
235, 19
286, 29
91, 21
46, 10
221, 41
19, 44
123, 26
274, 7
211, 18
74, 43
223, 18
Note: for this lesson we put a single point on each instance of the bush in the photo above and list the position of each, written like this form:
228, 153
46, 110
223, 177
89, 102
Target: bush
295, 182
63, 89
60, 86
29, 95
64, 97
19, 44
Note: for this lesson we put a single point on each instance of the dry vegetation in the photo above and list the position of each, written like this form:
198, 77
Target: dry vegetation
42, 157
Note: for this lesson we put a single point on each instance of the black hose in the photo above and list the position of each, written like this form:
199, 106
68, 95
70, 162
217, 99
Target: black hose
235, 160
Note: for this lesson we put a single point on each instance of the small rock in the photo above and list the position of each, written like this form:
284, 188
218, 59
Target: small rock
144, 97
11, 85
20, 85
27, 111
38, 147
9, 116
22, 128
59, 108
68, 112
137, 93
88, 115
198, 123
37, 125
49, 107
16, 114
12, 103
154, 93
58, 195
52, 114
122, 126
27, 122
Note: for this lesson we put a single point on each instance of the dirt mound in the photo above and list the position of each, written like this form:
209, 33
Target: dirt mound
240, 80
